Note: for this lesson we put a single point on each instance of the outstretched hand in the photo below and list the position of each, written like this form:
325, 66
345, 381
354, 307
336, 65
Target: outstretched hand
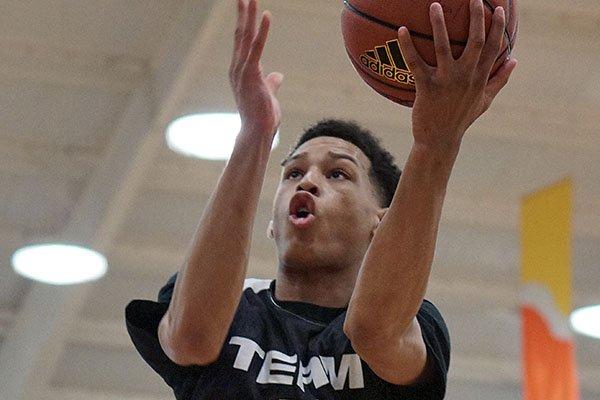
255, 94
453, 94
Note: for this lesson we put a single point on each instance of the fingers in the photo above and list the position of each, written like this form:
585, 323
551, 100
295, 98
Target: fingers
414, 61
245, 30
248, 42
494, 41
441, 41
481, 51
443, 53
240, 29
476, 39
250, 26
258, 44
500, 78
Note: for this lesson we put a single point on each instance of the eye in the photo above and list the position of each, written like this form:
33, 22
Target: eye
293, 174
339, 174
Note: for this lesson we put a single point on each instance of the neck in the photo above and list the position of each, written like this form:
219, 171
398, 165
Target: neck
327, 288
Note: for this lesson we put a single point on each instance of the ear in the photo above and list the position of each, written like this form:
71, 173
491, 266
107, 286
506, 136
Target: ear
381, 213
378, 217
270, 233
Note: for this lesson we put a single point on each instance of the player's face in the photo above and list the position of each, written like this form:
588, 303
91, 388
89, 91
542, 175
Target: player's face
325, 208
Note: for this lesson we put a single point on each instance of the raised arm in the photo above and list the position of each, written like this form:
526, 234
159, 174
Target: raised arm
210, 282
381, 321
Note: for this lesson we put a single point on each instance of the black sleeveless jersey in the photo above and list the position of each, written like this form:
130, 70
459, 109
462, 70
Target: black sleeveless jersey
283, 350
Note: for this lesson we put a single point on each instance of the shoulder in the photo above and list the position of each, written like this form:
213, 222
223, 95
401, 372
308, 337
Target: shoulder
437, 341
430, 312
251, 285
142, 318
432, 322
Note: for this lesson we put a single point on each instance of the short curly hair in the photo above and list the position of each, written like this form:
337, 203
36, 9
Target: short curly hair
384, 173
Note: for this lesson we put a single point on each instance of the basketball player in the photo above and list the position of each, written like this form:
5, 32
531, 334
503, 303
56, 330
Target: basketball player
346, 316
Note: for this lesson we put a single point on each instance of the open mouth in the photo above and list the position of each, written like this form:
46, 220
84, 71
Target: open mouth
302, 209
302, 213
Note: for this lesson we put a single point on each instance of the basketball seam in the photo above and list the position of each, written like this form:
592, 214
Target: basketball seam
386, 24
506, 24
511, 38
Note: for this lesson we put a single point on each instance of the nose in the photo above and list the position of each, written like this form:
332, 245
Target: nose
308, 183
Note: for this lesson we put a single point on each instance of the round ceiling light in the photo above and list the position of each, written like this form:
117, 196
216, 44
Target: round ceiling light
209, 136
59, 264
586, 320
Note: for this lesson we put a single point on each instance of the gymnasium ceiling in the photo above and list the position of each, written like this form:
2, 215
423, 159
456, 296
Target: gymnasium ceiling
87, 88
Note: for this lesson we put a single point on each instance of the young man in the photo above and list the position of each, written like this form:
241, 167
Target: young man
346, 316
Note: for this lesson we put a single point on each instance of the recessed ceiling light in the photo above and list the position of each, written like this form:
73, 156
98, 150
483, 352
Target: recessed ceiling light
586, 320
209, 136
59, 264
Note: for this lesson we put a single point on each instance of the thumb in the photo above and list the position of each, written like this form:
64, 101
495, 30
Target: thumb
273, 81
500, 79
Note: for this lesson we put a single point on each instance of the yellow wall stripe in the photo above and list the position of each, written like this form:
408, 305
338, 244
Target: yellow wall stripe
546, 241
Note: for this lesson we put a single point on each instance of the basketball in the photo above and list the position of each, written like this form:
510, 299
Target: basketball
370, 34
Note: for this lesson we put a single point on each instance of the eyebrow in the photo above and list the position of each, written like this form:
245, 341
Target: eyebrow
342, 156
294, 157
332, 154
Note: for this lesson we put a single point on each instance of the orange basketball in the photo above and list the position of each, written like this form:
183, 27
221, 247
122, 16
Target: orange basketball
369, 29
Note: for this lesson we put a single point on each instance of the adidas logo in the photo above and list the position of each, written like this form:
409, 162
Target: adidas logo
388, 62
